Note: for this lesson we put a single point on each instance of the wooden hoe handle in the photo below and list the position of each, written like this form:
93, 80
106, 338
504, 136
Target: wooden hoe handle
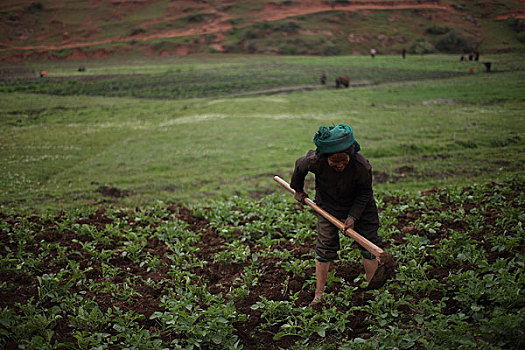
365, 243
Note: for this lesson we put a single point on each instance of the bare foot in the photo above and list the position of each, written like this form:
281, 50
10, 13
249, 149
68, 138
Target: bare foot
318, 299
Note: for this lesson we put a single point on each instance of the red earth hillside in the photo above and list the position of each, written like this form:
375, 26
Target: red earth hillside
100, 28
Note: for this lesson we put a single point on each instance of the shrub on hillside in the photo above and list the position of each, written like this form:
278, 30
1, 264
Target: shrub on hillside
421, 46
258, 30
302, 46
519, 25
292, 47
453, 43
329, 49
263, 29
138, 31
289, 27
437, 30
199, 17
262, 26
251, 47
252, 34
35, 7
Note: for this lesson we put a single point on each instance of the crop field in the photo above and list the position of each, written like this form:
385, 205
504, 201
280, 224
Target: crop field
138, 208
240, 274
241, 77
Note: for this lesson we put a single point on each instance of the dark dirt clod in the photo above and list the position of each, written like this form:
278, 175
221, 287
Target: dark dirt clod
386, 259
112, 192
275, 283
385, 270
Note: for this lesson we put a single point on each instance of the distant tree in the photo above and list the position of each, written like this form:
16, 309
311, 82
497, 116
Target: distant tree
289, 27
519, 25
437, 30
421, 46
453, 43
35, 7
330, 49
138, 31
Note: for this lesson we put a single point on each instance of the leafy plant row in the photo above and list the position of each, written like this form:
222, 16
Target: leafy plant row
208, 83
240, 274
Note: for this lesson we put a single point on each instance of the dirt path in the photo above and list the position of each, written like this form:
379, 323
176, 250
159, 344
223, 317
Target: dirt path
513, 14
270, 12
274, 13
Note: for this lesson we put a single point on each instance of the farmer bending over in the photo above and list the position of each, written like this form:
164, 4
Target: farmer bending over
343, 188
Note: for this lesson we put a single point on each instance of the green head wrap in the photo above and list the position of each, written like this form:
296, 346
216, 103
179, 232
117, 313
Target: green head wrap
335, 139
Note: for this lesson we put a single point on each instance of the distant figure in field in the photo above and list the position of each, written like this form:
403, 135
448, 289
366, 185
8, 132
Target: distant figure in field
462, 58
373, 53
323, 78
81, 69
404, 53
470, 56
476, 53
43, 73
487, 66
343, 80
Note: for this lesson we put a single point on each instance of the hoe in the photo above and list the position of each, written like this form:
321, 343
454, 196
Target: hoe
385, 260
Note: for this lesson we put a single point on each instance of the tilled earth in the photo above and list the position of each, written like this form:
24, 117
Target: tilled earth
218, 277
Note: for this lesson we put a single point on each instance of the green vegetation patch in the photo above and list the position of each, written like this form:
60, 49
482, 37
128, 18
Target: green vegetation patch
217, 80
180, 141
239, 273
154, 221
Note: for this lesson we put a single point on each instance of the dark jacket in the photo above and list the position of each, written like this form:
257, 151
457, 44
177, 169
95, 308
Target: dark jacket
344, 194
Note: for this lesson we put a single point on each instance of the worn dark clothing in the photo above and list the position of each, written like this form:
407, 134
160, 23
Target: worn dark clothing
344, 194
328, 245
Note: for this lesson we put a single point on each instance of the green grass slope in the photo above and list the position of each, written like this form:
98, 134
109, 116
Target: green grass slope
167, 136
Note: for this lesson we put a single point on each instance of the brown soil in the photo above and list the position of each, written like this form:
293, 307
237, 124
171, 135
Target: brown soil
513, 14
275, 283
218, 277
111, 192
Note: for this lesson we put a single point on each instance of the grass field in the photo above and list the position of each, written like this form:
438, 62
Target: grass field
423, 122
154, 222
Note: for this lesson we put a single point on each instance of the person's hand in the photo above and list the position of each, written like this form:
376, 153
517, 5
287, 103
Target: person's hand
300, 196
349, 223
